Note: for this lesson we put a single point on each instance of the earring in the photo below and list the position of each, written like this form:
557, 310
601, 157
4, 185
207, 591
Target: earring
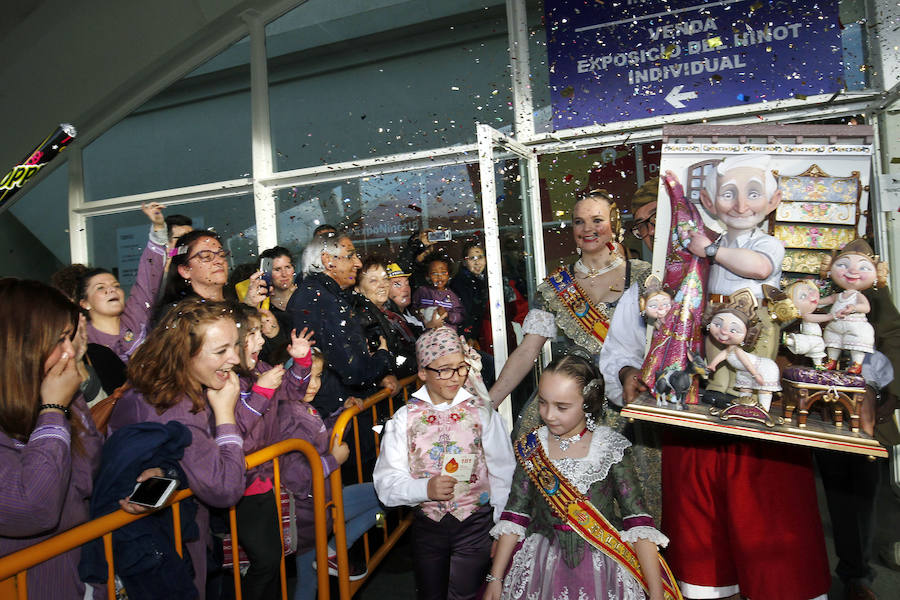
589, 422
578, 250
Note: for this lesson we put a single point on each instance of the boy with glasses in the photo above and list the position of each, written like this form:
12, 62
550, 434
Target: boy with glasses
447, 453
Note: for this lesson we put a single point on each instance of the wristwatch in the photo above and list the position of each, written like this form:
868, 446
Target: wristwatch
711, 251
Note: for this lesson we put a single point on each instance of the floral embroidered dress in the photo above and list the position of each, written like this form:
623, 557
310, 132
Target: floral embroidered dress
553, 561
557, 319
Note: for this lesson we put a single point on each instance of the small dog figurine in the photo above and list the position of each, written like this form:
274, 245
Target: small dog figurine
672, 385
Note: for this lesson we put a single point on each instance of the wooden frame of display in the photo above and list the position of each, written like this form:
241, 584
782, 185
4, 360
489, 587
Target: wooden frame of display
816, 434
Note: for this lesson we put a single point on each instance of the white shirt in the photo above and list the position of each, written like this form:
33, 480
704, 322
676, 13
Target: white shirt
624, 344
396, 487
722, 281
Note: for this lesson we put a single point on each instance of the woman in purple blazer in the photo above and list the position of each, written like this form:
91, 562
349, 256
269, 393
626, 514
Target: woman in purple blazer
49, 447
184, 372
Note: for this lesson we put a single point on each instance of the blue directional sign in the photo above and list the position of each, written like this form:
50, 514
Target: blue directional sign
630, 59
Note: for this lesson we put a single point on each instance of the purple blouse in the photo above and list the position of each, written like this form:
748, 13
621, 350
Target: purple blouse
427, 296
138, 307
257, 415
46, 490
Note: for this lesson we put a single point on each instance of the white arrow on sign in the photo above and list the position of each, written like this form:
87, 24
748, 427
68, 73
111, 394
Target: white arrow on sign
675, 96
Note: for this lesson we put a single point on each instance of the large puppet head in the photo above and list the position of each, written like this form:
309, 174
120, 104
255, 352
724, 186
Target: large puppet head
741, 191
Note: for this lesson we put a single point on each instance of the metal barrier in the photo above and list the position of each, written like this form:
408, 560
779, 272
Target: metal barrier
14, 567
347, 588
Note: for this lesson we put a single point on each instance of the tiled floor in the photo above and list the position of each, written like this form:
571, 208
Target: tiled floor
394, 577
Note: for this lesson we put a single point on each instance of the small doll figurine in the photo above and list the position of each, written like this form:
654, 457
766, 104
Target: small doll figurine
804, 295
655, 303
854, 269
735, 324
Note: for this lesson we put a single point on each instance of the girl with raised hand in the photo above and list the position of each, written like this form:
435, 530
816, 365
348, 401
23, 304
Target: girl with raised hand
299, 419
262, 388
114, 322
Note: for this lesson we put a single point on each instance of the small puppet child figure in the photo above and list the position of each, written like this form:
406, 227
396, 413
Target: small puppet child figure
854, 269
446, 452
655, 303
735, 324
805, 296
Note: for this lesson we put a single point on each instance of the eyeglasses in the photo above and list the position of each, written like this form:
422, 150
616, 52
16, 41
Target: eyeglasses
448, 372
348, 257
208, 255
641, 228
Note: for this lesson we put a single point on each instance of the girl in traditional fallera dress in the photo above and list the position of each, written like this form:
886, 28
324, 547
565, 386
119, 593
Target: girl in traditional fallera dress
570, 456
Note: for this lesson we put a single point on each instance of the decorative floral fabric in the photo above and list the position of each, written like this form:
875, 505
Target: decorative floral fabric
433, 433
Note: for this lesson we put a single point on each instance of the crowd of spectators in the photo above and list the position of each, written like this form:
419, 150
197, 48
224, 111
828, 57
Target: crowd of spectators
192, 372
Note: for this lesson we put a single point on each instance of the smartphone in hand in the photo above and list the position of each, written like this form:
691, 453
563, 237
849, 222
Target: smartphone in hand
153, 492
265, 266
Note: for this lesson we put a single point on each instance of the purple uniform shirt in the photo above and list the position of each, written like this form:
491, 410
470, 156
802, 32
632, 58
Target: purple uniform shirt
256, 414
46, 490
299, 419
213, 463
428, 296
138, 307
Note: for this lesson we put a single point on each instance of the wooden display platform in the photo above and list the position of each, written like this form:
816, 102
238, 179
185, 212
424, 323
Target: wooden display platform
816, 434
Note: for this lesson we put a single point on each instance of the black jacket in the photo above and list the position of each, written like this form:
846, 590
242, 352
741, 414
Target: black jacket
321, 305
144, 551
375, 323
472, 292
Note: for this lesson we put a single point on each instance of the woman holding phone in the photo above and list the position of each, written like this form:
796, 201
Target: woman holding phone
184, 372
199, 269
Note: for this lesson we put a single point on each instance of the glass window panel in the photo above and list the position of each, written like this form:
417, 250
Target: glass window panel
44, 210
620, 170
380, 212
397, 77
115, 241
196, 131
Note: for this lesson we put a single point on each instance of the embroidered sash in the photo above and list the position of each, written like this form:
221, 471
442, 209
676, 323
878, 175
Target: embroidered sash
594, 322
576, 510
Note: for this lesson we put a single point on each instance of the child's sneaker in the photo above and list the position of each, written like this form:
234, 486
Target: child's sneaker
357, 571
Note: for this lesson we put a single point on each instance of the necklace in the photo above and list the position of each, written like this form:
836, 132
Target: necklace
282, 303
590, 272
564, 443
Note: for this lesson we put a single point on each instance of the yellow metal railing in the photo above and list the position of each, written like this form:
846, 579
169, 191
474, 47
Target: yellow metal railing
14, 567
381, 403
